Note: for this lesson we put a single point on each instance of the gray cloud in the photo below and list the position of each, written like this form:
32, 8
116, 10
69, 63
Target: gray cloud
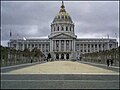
30, 19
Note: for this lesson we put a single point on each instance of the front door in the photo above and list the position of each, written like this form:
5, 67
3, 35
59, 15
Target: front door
57, 56
62, 56
67, 56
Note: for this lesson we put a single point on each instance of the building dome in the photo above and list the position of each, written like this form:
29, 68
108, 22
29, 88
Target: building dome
62, 23
62, 16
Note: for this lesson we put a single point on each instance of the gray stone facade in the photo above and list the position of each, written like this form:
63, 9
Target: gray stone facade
62, 42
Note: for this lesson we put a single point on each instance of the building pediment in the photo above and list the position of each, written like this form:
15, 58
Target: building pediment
62, 36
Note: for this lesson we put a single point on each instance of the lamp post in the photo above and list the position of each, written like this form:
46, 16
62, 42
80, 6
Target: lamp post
115, 50
24, 39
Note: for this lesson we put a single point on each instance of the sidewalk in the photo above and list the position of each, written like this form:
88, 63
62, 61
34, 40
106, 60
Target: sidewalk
113, 68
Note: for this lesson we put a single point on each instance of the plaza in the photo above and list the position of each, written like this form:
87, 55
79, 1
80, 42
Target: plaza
61, 67
60, 75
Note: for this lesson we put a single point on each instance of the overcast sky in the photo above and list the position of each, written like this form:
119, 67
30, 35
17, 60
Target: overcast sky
33, 19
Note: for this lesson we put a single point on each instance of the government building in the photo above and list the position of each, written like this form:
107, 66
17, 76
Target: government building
62, 43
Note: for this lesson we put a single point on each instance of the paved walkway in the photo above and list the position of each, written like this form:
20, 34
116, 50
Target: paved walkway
61, 67
59, 75
113, 68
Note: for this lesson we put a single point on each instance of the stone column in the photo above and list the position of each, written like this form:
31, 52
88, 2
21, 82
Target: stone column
23, 45
30, 47
59, 56
65, 56
17, 45
90, 48
59, 45
73, 47
45, 48
83, 48
55, 45
108, 46
94, 47
64, 45
50, 45
79, 47
41, 47
101, 46
69, 45
27, 44
98, 47
86, 47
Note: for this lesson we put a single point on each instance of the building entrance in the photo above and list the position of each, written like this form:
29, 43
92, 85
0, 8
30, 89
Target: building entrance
62, 56
57, 56
67, 56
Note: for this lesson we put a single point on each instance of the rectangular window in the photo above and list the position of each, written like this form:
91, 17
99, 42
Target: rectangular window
88, 45
99, 45
32, 45
92, 45
95, 45
88, 50
110, 45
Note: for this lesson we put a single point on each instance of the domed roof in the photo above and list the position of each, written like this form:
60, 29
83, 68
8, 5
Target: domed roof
62, 15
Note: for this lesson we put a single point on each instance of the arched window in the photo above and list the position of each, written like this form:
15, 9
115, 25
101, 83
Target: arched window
62, 28
58, 17
62, 17
65, 17
54, 28
66, 28
70, 28
58, 28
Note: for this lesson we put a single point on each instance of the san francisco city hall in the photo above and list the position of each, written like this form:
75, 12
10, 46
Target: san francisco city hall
62, 43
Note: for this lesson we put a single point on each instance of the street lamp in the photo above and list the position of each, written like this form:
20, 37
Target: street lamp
24, 39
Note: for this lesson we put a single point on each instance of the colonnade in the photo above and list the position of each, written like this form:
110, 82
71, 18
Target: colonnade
62, 45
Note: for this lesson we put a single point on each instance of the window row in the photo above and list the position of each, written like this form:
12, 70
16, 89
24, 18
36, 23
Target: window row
64, 17
62, 28
92, 45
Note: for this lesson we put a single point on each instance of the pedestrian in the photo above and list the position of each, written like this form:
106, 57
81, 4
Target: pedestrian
99, 60
108, 62
111, 61
31, 60
47, 59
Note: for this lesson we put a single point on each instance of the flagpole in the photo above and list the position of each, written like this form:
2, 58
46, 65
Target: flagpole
116, 39
108, 41
10, 45
102, 44
17, 42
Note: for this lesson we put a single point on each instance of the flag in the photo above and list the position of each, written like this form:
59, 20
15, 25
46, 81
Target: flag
116, 35
108, 36
10, 34
17, 35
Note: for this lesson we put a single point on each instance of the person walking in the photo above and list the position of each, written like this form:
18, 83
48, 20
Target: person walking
108, 62
31, 60
111, 61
